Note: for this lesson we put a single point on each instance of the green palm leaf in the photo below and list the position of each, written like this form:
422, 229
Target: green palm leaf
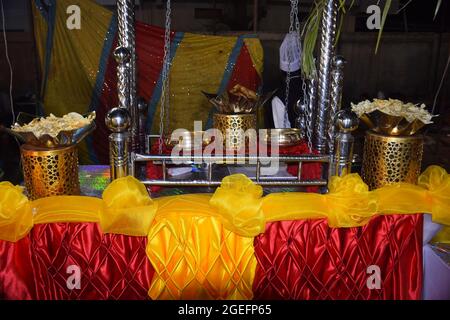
386, 8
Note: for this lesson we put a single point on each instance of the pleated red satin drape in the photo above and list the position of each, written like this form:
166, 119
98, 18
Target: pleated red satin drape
308, 260
112, 266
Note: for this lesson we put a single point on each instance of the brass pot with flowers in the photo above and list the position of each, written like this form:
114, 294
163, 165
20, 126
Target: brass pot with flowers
49, 151
236, 112
393, 145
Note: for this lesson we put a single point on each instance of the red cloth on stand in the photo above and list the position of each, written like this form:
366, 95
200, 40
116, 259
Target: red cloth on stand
111, 266
302, 259
306, 259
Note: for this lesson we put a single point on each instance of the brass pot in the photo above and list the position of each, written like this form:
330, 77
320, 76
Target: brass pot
233, 127
50, 172
285, 137
389, 159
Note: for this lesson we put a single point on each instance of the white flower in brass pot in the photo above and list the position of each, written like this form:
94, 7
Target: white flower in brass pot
393, 117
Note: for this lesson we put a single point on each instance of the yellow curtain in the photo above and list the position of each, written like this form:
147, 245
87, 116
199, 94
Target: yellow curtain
74, 57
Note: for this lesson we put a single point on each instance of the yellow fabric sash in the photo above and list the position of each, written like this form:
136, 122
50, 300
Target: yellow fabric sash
127, 209
201, 246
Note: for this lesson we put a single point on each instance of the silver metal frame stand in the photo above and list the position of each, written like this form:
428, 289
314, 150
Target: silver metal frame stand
127, 40
337, 83
127, 122
328, 37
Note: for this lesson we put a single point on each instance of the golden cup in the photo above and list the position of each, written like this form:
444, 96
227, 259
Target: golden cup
50, 172
391, 159
233, 127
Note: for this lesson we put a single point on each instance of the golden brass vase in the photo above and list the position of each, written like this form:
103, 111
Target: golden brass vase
50, 172
391, 159
233, 127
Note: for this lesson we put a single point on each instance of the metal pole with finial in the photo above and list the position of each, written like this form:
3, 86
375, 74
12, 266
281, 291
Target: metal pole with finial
346, 122
328, 37
118, 121
126, 39
337, 83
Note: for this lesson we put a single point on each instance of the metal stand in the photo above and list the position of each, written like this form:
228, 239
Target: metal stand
118, 121
347, 122
127, 71
325, 92
328, 37
337, 83
165, 160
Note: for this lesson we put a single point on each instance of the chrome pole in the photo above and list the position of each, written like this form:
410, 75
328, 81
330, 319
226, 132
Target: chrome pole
346, 122
328, 37
118, 121
126, 39
337, 83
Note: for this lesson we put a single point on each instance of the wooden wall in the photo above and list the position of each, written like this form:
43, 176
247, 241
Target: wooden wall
407, 66
24, 63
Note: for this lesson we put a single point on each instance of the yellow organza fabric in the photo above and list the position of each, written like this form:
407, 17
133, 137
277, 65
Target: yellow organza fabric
125, 208
195, 256
16, 219
201, 246
238, 204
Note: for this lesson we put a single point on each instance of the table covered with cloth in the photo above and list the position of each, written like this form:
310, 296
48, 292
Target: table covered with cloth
233, 244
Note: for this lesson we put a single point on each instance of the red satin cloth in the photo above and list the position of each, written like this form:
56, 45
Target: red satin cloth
308, 260
296, 260
112, 266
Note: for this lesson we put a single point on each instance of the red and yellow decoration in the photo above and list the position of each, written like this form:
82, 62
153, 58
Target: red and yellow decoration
84, 57
201, 246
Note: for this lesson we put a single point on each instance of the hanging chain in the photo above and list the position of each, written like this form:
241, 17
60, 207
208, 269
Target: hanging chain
308, 113
306, 97
294, 22
165, 95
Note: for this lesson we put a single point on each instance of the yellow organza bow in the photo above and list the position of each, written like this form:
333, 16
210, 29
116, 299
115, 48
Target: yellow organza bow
437, 181
238, 203
349, 201
16, 219
126, 208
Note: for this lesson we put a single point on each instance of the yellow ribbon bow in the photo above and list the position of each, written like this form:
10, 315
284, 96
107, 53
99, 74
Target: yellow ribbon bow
238, 203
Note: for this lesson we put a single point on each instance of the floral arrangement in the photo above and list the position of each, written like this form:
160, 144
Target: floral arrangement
396, 108
392, 116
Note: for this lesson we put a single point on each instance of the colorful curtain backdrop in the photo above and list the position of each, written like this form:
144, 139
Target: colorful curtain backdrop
79, 71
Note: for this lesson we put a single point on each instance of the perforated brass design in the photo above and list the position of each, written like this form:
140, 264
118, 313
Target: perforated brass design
49, 172
387, 160
233, 128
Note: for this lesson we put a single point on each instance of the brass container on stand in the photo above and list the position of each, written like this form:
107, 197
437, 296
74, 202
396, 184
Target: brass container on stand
233, 127
391, 159
50, 172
